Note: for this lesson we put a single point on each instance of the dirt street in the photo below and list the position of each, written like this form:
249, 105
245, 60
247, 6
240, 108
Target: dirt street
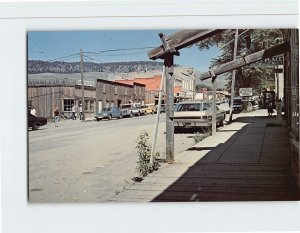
89, 161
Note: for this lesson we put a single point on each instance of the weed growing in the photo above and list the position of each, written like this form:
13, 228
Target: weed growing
144, 152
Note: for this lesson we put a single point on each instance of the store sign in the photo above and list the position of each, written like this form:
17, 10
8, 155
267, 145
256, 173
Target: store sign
272, 61
86, 83
246, 91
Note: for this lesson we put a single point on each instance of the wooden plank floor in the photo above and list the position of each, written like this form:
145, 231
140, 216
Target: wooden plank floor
246, 162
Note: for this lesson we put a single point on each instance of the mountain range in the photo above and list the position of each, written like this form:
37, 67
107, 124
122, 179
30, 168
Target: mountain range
108, 71
35, 67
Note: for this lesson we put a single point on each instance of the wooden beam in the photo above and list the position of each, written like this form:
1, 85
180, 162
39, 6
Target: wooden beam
254, 57
181, 39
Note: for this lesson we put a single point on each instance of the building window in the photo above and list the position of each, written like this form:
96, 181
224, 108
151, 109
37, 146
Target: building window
68, 103
104, 88
86, 107
126, 91
92, 106
116, 90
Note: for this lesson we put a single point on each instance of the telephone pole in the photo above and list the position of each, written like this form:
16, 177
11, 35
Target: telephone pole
82, 86
233, 73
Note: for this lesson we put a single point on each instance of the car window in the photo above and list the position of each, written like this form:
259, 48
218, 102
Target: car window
189, 107
126, 106
206, 106
106, 109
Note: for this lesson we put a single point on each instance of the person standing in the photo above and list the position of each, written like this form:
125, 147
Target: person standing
56, 116
80, 112
73, 112
33, 111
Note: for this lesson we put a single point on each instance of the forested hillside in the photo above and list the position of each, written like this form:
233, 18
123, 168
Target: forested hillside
35, 67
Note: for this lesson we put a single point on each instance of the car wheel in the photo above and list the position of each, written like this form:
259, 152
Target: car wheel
131, 115
121, 116
138, 114
36, 125
98, 119
109, 117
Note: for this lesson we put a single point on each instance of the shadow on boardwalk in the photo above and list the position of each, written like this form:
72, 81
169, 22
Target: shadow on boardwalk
251, 165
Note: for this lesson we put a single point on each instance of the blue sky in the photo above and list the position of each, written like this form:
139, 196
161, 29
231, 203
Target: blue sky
48, 45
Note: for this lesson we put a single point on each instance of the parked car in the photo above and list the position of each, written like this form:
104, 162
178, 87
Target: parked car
130, 110
196, 114
35, 122
109, 113
148, 109
237, 104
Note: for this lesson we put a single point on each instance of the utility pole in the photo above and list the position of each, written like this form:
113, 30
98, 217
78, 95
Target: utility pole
169, 71
233, 73
82, 85
214, 107
194, 88
169, 62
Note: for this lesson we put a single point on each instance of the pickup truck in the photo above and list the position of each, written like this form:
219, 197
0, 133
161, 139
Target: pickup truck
130, 110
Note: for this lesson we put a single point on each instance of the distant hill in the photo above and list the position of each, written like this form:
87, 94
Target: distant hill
41, 70
36, 67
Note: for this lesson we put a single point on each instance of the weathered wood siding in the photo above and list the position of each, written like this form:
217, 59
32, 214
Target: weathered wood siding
291, 92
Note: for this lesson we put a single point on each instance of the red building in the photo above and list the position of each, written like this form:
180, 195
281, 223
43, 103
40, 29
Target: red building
152, 86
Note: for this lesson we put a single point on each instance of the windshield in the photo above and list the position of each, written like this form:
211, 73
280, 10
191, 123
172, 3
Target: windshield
237, 101
126, 106
189, 107
107, 109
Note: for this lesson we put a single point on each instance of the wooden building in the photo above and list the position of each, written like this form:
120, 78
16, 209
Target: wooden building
291, 99
44, 98
109, 93
45, 95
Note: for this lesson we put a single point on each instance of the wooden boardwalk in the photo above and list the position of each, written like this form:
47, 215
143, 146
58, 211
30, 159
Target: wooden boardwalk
245, 161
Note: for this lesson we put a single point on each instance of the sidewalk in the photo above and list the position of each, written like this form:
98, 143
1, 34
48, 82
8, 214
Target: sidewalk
247, 160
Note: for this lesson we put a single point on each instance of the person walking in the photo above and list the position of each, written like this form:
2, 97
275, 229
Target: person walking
73, 112
56, 116
270, 109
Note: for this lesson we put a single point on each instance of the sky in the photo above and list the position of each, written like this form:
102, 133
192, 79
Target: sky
50, 45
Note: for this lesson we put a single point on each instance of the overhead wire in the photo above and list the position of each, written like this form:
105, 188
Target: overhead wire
233, 39
60, 58
99, 53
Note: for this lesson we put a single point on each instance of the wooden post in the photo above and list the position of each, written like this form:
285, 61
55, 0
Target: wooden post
169, 62
82, 86
233, 74
157, 117
214, 107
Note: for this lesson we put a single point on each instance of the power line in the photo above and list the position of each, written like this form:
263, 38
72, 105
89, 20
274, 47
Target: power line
233, 39
88, 57
100, 53
60, 58
115, 50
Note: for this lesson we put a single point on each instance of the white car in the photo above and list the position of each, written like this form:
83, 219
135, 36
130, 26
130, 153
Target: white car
196, 114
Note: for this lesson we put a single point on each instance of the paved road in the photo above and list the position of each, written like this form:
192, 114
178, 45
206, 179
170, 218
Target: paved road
89, 161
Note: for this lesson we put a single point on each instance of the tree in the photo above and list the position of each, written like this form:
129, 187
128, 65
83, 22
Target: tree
250, 41
199, 87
